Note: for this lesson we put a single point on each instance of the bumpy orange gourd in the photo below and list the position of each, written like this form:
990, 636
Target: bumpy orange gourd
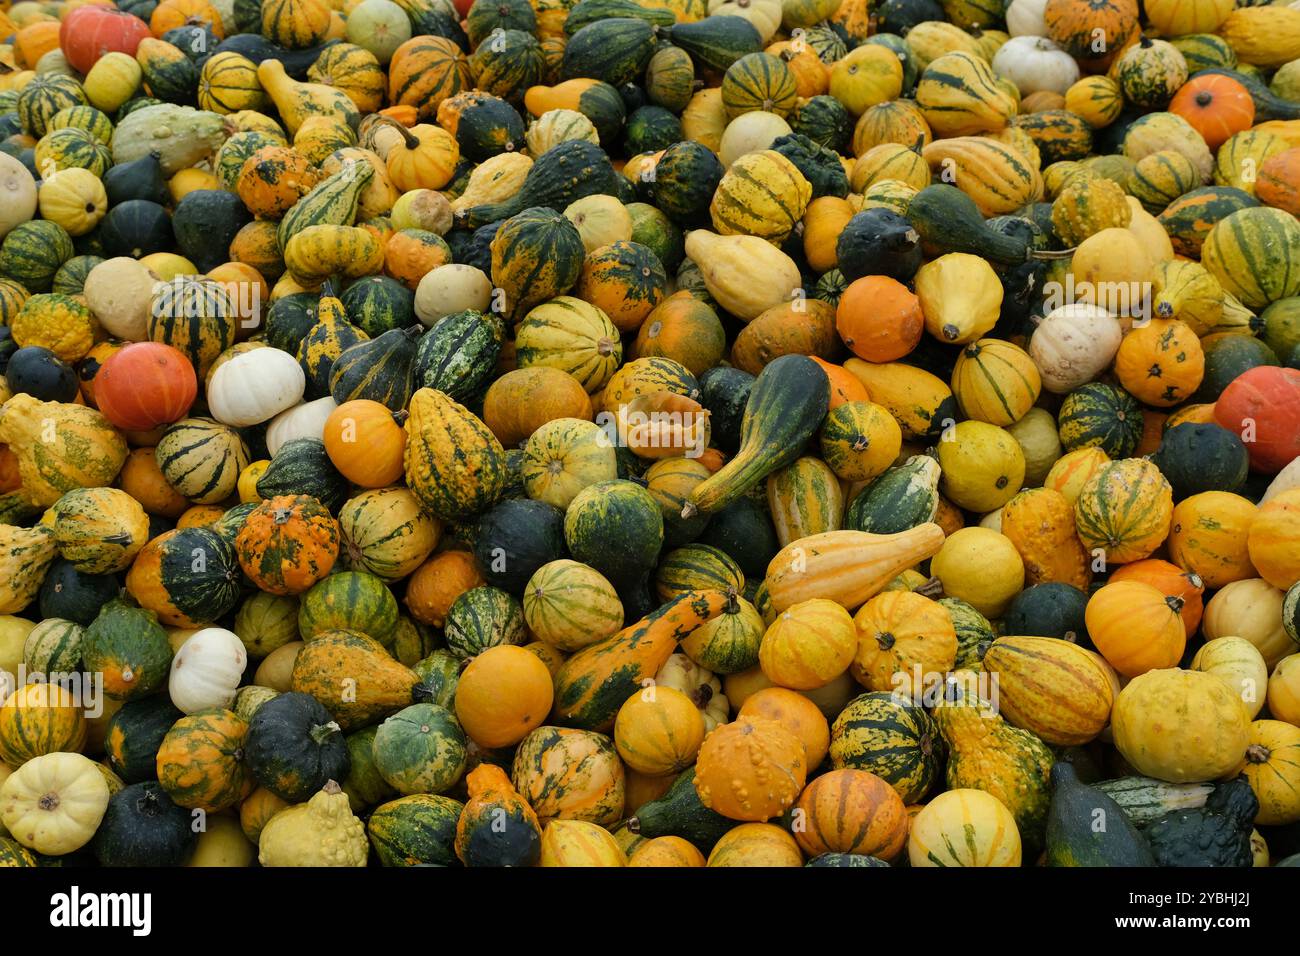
751, 769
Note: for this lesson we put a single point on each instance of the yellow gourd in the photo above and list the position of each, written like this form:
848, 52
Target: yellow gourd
745, 274
297, 101
25, 554
320, 832
961, 297
53, 803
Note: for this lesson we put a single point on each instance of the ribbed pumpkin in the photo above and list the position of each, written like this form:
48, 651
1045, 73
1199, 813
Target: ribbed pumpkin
762, 194
1248, 252
808, 646
964, 827
995, 382
386, 533
40, 719
1124, 510
1136, 627
658, 731
536, 256
902, 636
570, 775
851, 811
892, 737
759, 81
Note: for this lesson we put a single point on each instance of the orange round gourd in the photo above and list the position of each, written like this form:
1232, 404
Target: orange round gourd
797, 714
1171, 581
503, 694
437, 583
879, 319
523, 400
756, 844
273, 179
1209, 535
411, 254
288, 543
850, 811
1216, 106
1278, 182
1160, 363
366, 442
750, 769
658, 731
425, 158
899, 632
142, 479
1274, 540
1136, 627
808, 645
684, 329
666, 851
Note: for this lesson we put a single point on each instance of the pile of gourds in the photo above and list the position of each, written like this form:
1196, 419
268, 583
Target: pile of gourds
650, 432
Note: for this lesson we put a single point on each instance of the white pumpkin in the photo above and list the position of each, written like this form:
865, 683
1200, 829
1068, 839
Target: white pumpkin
1286, 480
206, 670
120, 293
1036, 64
1073, 344
1027, 18
302, 421
255, 386
53, 803
17, 194
449, 289
750, 132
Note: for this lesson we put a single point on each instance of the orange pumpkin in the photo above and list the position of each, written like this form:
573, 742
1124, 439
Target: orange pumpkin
666, 851
143, 480
850, 811
791, 328
1216, 106
273, 179
437, 583
899, 633
750, 769
411, 254
366, 442
1274, 540
425, 158
684, 329
257, 245
879, 319
1278, 181
34, 41
797, 714
424, 71
756, 844
808, 645
1161, 362
288, 543
1209, 535
171, 14
845, 386
625, 280
200, 516
504, 693
658, 731
1171, 581
1136, 627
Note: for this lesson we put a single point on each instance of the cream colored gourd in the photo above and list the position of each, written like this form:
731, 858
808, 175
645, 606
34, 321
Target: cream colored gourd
206, 670
1252, 609
750, 132
53, 803
1238, 663
301, 421
494, 180
255, 386
1036, 64
320, 832
120, 292
1073, 344
745, 274
452, 288
17, 194
1027, 18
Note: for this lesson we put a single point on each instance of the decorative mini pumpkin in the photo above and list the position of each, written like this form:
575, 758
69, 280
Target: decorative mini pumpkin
1136, 627
658, 731
502, 695
901, 633
750, 769
207, 670
287, 544
851, 811
201, 760
54, 803
808, 645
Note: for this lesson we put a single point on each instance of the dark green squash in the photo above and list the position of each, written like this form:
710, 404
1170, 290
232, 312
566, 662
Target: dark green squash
615, 50
378, 304
381, 370
35, 370
129, 648
1051, 609
564, 173
717, 41
198, 575
686, 176
459, 353
363, 785
143, 827
294, 747
818, 164
205, 222
1196, 457
71, 277
651, 227
417, 829
485, 16
136, 228
1073, 835
303, 467
1228, 357
290, 318
1217, 834
824, 120
515, 538
73, 595
489, 126
681, 813
617, 528
1102, 416
949, 221
134, 735
903, 497
744, 530
845, 859
32, 253
650, 129
585, 12
878, 242
139, 179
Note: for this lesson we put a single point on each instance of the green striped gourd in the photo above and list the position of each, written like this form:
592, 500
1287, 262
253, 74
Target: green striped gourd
903, 497
889, 736
330, 203
201, 458
454, 463
352, 601
459, 354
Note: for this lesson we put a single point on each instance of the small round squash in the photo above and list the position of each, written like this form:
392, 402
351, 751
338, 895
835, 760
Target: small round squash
964, 828
658, 731
750, 769
808, 645
54, 803
850, 811
502, 695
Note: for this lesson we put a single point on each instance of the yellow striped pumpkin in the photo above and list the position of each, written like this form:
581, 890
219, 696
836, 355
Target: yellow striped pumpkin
959, 96
762, 194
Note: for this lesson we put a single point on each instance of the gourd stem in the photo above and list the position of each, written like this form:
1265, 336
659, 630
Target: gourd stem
323, 732
412, 141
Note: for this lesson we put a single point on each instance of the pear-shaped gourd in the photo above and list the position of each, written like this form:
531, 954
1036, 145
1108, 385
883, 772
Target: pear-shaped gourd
60, 447
297, 101
1085, 827
25, 554
745, 274
454, 464
320, 832
497, 826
